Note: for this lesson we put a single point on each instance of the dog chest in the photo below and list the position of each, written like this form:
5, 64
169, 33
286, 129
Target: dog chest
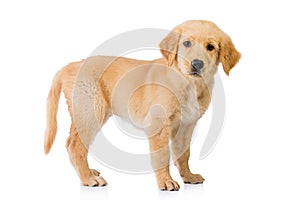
190, 108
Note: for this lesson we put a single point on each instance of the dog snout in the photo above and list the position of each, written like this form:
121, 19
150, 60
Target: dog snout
197, 65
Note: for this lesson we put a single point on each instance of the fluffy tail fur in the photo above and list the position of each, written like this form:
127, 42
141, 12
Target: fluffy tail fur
52, 107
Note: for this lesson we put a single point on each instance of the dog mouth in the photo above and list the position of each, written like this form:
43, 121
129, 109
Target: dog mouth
196, 74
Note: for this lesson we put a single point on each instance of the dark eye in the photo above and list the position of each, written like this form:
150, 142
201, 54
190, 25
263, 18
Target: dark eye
187, 43
210, 47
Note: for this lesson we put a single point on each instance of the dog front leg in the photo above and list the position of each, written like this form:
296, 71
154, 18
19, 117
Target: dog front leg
181, 154
160, 159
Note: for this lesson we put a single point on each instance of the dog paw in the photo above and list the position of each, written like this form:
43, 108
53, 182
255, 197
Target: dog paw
193, 179
169, 185
95, 181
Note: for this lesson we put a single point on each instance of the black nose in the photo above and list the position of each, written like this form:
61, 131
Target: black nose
197, 65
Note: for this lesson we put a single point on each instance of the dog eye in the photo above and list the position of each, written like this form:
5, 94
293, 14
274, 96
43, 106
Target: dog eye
210, 47
187, 43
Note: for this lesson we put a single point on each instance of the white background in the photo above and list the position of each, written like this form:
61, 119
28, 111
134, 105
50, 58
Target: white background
258, 155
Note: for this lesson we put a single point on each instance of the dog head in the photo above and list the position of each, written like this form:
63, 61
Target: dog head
197, 47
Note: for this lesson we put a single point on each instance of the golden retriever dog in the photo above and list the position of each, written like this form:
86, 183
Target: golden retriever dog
166, 97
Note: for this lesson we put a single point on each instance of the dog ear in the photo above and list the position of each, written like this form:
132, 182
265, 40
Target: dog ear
169, 45
229, 56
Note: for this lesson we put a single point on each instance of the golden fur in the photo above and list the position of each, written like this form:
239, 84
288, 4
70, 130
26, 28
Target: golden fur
182, 108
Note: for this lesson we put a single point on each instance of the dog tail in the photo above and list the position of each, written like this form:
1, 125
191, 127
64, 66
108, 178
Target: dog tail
52, 107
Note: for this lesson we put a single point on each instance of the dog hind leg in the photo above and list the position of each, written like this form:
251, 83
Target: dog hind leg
78, 155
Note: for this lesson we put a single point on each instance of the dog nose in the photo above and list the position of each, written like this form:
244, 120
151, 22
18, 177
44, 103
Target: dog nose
197, 65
